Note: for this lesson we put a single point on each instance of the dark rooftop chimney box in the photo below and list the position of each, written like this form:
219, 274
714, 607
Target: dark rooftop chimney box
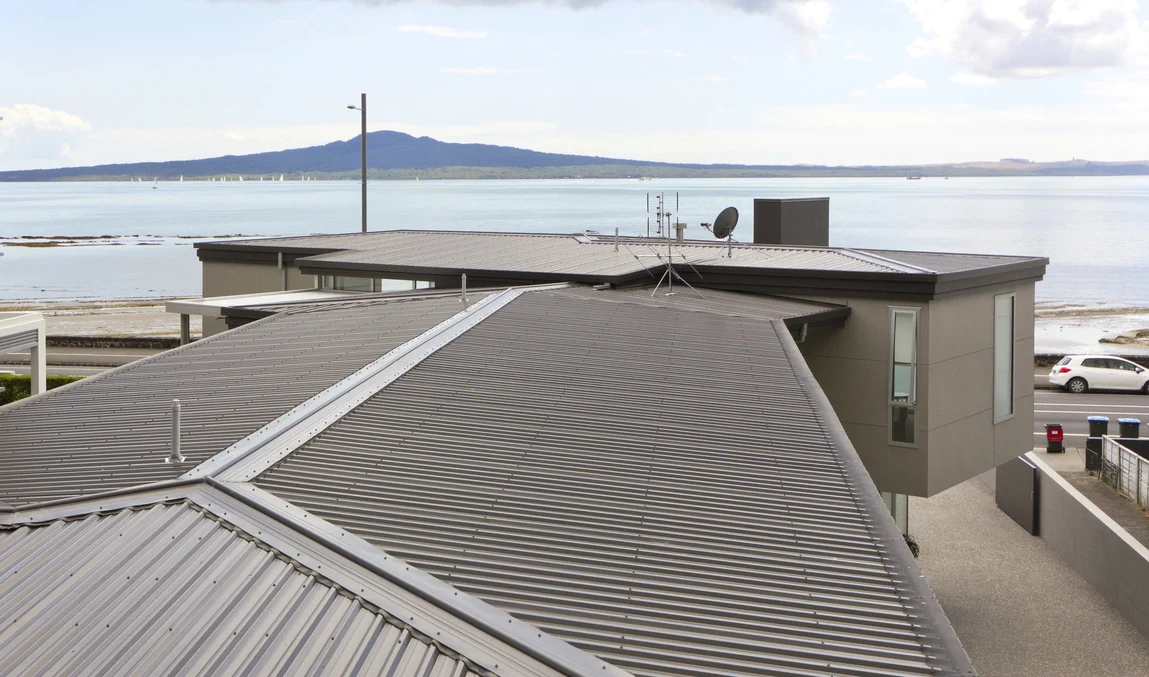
792, 221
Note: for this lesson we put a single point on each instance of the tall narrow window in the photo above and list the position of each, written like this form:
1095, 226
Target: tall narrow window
903, 374
1003, 321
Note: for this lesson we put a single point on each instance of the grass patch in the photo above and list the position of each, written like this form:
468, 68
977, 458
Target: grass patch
19, 386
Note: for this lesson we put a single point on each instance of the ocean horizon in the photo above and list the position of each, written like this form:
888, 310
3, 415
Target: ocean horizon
134, 239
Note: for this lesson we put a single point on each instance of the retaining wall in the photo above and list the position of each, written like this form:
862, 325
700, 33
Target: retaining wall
1097, 548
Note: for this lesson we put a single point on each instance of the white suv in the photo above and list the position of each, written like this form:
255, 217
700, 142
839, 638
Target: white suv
1079, 373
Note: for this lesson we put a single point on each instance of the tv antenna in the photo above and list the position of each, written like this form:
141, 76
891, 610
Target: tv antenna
668, 273
723, 228
662, 213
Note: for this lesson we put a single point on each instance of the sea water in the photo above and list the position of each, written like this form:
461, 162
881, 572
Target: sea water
1092, 229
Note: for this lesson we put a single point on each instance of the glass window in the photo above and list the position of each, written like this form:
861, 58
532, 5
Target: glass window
903, 373
1064, 360
1095, 363
1003, 320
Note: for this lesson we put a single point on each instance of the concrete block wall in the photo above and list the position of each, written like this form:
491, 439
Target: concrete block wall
1095, 546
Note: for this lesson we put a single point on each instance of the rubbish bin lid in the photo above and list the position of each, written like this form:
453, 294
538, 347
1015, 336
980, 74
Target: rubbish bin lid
1098, 418
1129, 420
1053, 425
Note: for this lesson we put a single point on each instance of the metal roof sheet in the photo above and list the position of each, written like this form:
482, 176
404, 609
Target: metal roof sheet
168, 590
206, 580
715, 301
588, 256
113, 430
937, 262
657, 487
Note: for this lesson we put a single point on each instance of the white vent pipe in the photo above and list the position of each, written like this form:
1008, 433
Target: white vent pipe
175, 456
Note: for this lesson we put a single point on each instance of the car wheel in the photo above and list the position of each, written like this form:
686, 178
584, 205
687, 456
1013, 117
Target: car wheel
1145, 388
1077, 385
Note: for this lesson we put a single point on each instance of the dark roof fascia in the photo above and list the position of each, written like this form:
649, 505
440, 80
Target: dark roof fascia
256, 246
885, 530
265, 257
825, 317
982, 277
545, 648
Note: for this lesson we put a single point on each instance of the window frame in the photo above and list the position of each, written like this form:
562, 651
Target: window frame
1012, 296
913, 403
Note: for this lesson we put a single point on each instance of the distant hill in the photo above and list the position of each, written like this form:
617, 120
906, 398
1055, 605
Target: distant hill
397, 155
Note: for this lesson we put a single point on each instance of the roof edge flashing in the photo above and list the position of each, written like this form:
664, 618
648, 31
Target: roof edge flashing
883, 527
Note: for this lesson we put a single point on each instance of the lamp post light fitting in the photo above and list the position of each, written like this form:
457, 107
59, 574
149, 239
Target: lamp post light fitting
362, 108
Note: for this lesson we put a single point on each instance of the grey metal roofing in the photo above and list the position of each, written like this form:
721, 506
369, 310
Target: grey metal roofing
585, 257
193, 579
666, 489
756, 306
113, 430
168, 590
937, 262
705, 300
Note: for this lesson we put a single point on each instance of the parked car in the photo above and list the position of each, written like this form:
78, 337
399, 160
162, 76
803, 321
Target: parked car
1081, 373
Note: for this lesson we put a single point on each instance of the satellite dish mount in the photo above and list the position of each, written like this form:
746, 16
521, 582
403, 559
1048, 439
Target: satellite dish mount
723, 228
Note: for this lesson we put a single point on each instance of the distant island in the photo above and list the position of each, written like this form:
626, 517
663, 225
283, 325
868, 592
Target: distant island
395, 155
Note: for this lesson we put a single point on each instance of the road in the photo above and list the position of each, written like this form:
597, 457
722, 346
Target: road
1055, 406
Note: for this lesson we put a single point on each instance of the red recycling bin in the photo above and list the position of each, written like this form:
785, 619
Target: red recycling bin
1054, 438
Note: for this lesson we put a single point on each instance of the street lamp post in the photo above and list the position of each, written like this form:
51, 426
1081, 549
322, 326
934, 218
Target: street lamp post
362, 108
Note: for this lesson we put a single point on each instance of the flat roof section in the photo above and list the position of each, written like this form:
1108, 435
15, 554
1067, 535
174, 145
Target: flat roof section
114, 430
662, 488
519, 258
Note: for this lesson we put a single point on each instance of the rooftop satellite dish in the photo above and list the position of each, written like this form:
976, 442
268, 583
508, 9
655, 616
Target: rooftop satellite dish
724, 225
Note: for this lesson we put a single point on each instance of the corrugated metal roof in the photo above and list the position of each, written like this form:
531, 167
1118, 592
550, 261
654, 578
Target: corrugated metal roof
585, 257
657, 487
168, 590
113, 430
710, 301
705, 300
196, 580
937, 262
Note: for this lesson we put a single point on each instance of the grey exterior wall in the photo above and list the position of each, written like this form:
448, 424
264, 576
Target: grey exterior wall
957, 437
1097, 548
222, 278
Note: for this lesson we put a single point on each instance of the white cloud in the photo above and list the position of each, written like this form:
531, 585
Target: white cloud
859, 92
809, 18
442, 32
24, 117
487, 70
973, 79
1028, 38
672, 52
717, 78
858, 56
903, 81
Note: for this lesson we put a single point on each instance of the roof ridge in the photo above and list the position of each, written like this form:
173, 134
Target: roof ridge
258, 451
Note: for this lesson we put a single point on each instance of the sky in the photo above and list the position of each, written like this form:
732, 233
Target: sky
840, 82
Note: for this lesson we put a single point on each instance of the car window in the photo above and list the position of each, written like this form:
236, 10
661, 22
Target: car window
1122, 364
1064, 360
1095, 362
